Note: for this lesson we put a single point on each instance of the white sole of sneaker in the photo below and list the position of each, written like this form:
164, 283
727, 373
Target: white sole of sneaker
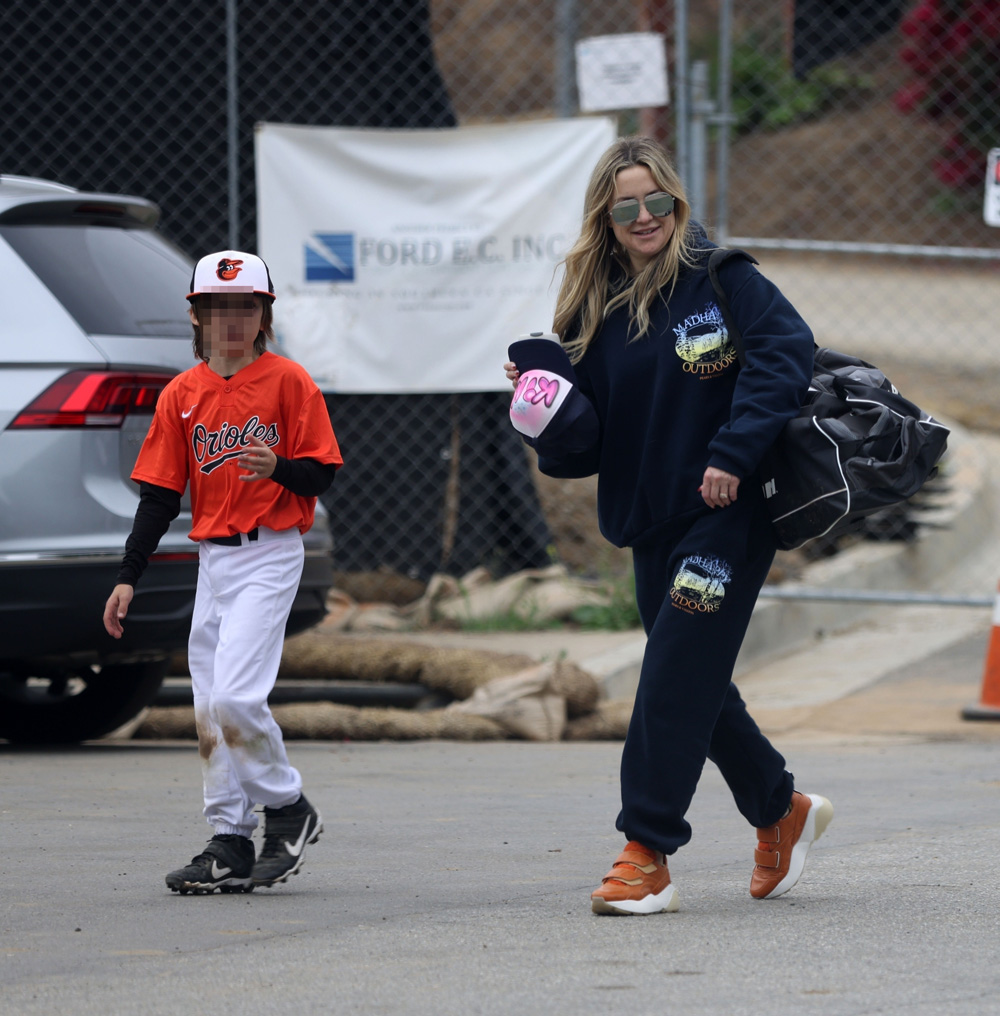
662, 902
816, 822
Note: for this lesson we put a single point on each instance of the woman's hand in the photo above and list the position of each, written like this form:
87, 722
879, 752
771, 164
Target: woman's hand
259, 459
512, 373
718, 488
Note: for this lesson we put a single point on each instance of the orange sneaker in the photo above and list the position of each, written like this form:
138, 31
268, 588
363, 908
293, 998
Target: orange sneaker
638, 883
781, 853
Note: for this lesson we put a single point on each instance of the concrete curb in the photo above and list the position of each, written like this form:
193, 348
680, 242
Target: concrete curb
951, 533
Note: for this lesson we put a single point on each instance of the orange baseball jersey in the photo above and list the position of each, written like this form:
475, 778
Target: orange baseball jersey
203, 423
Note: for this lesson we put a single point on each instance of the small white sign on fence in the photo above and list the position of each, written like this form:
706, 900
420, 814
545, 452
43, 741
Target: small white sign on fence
627, 71
991, 197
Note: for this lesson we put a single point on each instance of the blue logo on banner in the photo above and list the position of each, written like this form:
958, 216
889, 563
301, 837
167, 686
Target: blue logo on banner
330, 257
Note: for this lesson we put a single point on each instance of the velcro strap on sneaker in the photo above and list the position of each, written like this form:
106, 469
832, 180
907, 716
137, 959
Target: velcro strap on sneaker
627, 876
630, 866
767, 858
636, 857
768, 835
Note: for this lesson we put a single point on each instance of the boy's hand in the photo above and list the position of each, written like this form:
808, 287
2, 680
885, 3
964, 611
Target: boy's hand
116, 608
259, 459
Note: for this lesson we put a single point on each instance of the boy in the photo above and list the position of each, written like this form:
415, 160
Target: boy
240, 408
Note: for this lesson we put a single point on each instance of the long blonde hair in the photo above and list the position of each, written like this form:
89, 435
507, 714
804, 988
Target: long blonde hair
584, 293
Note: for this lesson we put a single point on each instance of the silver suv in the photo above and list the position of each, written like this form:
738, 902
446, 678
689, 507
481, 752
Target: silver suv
94, 324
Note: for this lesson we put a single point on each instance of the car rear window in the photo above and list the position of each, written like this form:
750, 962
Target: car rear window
112, 281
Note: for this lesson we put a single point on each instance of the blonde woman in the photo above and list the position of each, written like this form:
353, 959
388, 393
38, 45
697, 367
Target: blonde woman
675, 430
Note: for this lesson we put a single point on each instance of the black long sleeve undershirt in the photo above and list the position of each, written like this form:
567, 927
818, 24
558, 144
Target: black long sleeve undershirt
159, 506
305, 477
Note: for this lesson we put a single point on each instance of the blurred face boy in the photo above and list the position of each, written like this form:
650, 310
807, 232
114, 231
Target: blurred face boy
229, 323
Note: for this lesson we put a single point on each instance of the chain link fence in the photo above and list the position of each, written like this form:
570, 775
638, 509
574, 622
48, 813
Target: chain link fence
843, 144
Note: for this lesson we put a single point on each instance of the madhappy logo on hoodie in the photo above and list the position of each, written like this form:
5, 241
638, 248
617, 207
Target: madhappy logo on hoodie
703, 343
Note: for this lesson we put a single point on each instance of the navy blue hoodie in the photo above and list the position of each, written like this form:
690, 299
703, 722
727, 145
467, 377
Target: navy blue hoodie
676, 401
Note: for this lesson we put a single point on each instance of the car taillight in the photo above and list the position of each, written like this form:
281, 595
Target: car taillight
92, 398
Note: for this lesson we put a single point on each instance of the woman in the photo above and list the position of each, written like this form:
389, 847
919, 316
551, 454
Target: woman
675, 430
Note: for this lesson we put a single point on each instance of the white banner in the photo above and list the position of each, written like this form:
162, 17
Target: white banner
408, 260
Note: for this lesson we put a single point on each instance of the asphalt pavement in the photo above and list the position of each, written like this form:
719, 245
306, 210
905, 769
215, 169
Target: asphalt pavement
454, 878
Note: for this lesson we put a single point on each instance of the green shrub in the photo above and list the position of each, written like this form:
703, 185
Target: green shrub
621, 612
766, 95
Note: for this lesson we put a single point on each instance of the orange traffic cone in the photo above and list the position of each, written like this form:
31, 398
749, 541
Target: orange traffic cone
989, 698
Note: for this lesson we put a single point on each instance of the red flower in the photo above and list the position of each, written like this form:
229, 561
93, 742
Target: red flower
951, 49
962, 166
956, 42
986, 19
926, 12
909, 98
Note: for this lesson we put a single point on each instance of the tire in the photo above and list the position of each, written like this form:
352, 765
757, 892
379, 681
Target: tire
76, 704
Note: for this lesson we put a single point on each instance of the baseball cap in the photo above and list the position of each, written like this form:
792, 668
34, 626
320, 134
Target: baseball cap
231, 271
543, 397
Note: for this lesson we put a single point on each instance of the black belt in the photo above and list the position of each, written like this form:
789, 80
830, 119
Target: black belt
234, 540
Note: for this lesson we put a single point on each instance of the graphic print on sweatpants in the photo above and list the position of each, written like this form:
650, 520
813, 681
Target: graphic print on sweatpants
700, 584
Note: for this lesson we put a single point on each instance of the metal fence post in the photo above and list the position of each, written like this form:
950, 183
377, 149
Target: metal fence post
232, 125
701, 108
681, 114
723, 119
566, 28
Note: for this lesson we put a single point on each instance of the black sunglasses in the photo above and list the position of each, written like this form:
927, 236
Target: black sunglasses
659, 204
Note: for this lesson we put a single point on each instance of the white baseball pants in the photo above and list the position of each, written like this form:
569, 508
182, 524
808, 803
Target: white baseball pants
242, 602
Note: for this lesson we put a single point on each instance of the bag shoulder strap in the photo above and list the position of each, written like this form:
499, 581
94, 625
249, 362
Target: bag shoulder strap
716, 258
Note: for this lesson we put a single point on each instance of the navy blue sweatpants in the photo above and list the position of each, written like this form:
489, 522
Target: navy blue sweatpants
696, 584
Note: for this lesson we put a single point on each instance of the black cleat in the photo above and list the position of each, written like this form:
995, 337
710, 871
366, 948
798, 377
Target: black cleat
225, 864
287, 831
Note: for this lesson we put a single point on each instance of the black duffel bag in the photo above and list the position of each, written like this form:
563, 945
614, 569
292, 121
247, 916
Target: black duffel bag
856, 445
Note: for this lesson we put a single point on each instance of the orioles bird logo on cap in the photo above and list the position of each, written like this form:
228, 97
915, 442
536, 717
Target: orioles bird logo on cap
227, 270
